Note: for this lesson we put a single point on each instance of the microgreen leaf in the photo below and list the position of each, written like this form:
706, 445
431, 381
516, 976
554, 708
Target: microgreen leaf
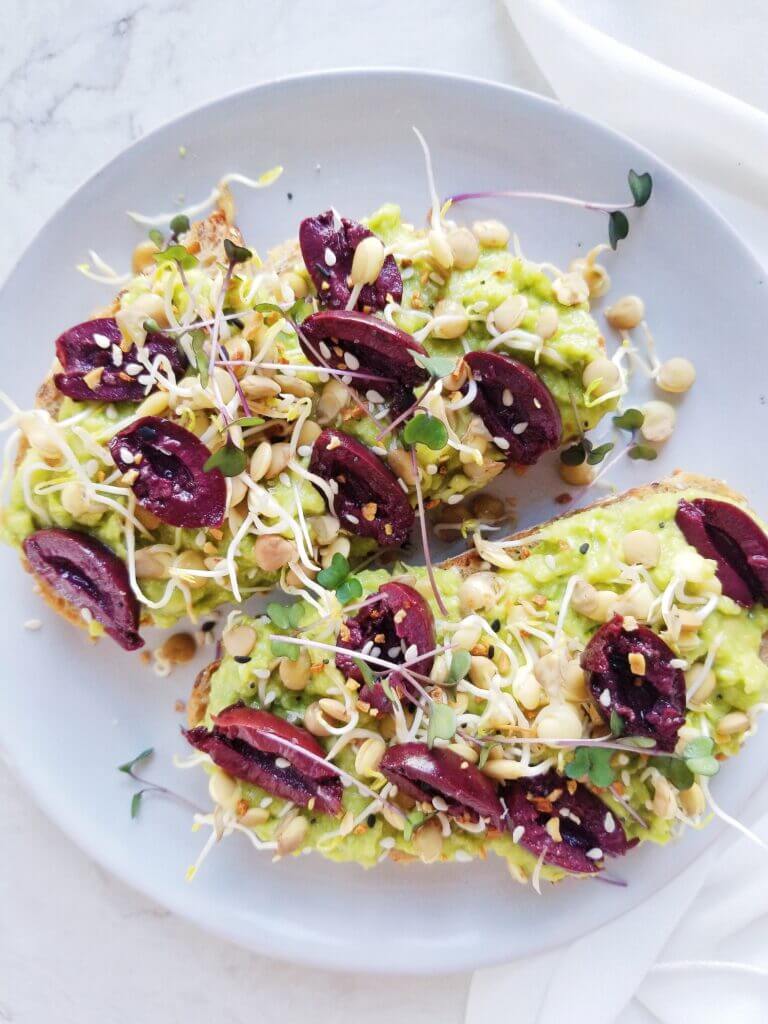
641, 742
676, 770
151, 326
641, 186
179, 224
268, 307
413, 820
281, 649
593, 762
176, 254
630, 419
136, 803
442, 723
460, 662
426, 430
701, 746
644, 452
230, 460
617, 724
130, 765
157, 237
597, 455
197, 342
484, 753
576, 454
349, 590
334, 575
367, 674
247, 421
236, 253
703, 765
618, 227
296, 613
436, 366
385, 685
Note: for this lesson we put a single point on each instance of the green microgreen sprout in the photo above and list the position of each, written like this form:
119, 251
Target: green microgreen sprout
412, 821
368, 677
630, 419
460, 663
585, 451
229, 459
247, 421
236, 253
281, 649
644, 452
198, 338
617, 724
697, 755
641, 186
129, 768
157, 237
436, 366
337, 577
179, 224
593, 763
285, 616
618, 227
427, 430
442, 723
176, 254
151, 326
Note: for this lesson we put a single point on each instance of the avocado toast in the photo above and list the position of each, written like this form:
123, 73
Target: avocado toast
227, 423
588, 678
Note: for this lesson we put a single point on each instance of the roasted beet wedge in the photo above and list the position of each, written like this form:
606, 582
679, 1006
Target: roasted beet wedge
422, 774
588, 830
399, 621
725, 533
648, 694
328, 244
87, 575
171, 482
369, 501
255, 745
89, 346
348, 340
518, 410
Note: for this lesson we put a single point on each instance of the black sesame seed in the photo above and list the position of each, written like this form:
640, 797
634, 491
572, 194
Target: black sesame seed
496, 625
370, 820
490, 651
208, 626
323, 270
584, 548
289, 194
242, 659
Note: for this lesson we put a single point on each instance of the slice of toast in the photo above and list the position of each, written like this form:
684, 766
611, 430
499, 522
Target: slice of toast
471, 561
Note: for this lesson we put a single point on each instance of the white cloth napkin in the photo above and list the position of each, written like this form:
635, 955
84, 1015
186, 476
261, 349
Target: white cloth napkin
698, 950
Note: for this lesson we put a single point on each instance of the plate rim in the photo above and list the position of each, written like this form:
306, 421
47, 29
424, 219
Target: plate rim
304, 953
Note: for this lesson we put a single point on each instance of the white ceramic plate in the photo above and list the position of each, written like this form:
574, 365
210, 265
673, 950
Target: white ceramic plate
72, 713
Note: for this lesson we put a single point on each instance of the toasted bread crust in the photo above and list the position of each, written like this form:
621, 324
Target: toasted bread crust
197, 705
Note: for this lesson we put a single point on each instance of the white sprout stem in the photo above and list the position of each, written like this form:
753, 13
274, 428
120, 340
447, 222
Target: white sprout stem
724, 816
425, 537
550, 197
163, 219
434, 199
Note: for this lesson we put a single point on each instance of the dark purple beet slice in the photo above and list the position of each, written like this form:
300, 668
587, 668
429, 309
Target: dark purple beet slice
377, 347
87, 575
79, 353
422, 773
586, 824
652, 703
252, 745
515, 406
399, 620
725, 533
171, 481
329, 233
369, 502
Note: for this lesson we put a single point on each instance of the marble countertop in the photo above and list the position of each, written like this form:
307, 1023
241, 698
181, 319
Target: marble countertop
79, 81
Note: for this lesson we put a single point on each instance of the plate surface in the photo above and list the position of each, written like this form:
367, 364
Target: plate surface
72, 713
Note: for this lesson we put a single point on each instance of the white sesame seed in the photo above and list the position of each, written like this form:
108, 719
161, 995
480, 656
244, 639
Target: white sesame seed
351, 518
266, 801
133, 369
304, 451
439, 803
609, 822
605, 698
330, 258
126, 455
507, 397
281, 762
454, 499
518, 833
431, 469
411, 652
32, 625
374, 397
387, 843
351, 361
325, 352
393, 652
501, 442
537, 403
595, 853
519, 428
102, 341
117, 355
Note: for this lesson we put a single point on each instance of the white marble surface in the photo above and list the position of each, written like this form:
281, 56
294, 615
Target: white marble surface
79, 80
